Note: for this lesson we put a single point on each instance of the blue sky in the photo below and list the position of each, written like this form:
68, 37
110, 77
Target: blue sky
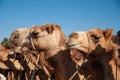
71, 15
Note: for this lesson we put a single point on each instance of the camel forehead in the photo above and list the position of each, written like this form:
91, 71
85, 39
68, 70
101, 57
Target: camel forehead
21, 32
82, 34
38, 28
96, 30
22, 29
90, 32
43, 27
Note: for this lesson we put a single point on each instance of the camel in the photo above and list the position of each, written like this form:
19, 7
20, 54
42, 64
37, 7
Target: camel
17, 66
55, 52
8, 66
28, 59
99, 47
20, 37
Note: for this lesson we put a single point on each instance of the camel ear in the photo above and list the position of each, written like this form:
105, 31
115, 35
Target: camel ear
108, 33
118, 36
50, 28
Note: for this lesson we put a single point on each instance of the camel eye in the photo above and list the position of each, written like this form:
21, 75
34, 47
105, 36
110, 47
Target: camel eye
74, 35
96, 38
114, 39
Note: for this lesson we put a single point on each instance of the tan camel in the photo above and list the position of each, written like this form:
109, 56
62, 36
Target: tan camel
21, 37
99, 47
22, 64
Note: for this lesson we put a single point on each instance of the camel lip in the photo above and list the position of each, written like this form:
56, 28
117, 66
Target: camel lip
17, 44
71, 45
77, 47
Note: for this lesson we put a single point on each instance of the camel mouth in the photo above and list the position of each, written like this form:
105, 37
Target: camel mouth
70, 46
77, 56
75, 47
16, 44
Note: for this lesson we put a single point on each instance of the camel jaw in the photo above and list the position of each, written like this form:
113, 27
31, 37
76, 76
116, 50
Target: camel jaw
77, 56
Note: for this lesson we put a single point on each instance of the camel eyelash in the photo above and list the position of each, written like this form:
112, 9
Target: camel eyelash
96, 37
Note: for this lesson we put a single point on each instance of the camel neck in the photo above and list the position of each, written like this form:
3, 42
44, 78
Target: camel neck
53, 51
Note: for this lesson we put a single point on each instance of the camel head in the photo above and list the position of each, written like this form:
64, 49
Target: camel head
93, 42
20, 37
47, 36
118, 38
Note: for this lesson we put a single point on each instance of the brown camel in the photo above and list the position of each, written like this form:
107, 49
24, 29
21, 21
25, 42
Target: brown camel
100, 48
20, 65
51, 39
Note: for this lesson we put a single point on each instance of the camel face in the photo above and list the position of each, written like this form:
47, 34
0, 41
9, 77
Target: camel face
94, 42
78, 40
47, 36
76, 43
20, 36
